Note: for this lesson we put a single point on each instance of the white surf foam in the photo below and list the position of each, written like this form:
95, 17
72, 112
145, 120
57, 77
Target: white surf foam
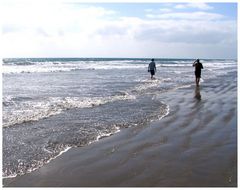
34, 111
38, 67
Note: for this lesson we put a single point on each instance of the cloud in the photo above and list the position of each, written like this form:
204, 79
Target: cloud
187, 16
199, 32
201, 6
10, 28
52, 18
165, 10
189, 27
148, 10
161, 10
112, 29
58, 30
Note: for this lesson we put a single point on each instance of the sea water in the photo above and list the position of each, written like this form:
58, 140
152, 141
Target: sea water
53, 104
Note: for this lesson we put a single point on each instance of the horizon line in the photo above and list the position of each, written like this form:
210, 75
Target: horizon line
113, 58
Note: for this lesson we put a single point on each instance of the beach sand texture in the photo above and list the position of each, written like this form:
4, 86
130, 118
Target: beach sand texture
195, 145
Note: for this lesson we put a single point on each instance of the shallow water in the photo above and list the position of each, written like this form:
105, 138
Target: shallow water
50, 105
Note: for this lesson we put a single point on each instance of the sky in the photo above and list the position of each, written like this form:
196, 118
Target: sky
131, 30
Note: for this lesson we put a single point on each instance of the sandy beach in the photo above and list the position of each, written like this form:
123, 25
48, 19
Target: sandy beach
195, 145
107, 94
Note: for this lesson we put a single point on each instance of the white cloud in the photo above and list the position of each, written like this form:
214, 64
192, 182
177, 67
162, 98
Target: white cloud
201, 6
199, 32
187, 16
52, 17
180, 6
58, 30
148, 10
161, 10
165, 10
39, 30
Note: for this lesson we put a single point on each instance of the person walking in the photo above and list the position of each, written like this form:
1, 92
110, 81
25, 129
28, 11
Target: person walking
152, 68
198, 67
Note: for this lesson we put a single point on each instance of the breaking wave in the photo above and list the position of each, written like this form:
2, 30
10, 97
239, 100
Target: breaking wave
34, 111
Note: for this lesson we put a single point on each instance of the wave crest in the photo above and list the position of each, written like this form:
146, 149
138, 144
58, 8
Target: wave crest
34, 111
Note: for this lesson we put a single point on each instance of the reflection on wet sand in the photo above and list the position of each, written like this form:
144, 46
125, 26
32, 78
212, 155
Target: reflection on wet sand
195, 145
197, 93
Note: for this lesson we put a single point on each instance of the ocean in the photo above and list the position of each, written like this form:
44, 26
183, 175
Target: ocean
53, 104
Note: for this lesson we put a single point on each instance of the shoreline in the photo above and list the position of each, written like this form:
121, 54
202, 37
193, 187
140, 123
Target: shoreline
184, 148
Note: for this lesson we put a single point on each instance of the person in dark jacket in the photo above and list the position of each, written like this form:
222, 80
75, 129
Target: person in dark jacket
198, 67
152, 68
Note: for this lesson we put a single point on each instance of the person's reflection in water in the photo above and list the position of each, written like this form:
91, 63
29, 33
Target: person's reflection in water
197, 93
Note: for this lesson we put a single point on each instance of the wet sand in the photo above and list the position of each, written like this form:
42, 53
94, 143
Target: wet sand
195, 145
